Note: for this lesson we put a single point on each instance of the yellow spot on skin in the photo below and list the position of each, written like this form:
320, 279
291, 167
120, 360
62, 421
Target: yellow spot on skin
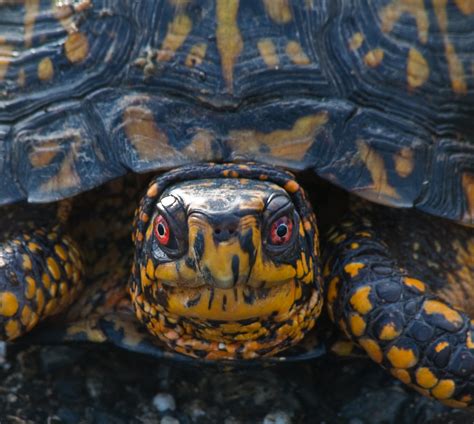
372, 348
149, 141
440, 346
465, 6
282, 144
45, 278
278, 10
389, 332
8, 304
391, 13
60, 252
469, 340
376, 166
444, 389
6, 55
229, 40
76, 47
292, 186
355, 245
196, 55
27, 265
332, 289
356, 41
31, 11
268, 52
13, 329
402, 375
296, 53
401, 357
418, 69
45, 69
26, 314
413, 282
360, 299
30, 287
34, 247
436, 307
425, 378
357, 324
53, 268
404, 163
177, 33
152, 190
374, 58
468, 185
353, 268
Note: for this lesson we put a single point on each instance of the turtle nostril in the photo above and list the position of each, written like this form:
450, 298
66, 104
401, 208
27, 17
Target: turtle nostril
217, 230
231, 231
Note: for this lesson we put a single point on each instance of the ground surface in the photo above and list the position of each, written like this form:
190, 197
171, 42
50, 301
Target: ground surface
84, 384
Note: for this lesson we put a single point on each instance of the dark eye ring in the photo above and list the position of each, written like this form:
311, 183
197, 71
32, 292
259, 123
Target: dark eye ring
162, 230
281, 231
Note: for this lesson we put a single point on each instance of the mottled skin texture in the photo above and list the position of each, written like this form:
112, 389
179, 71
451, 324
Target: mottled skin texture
396, 299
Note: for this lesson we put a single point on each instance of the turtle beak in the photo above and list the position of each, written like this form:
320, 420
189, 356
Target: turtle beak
223, 249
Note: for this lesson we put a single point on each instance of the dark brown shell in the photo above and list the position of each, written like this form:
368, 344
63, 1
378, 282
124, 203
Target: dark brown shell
375, 96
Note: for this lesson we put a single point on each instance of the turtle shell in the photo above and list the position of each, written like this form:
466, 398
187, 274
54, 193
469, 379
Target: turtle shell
375, 96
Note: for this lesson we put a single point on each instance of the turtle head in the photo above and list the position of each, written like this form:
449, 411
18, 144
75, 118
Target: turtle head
226, 263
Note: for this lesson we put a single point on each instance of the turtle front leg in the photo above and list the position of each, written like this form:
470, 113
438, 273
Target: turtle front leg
391, 280
40, 267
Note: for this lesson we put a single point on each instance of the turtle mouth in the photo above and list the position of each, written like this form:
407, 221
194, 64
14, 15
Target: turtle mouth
239, 323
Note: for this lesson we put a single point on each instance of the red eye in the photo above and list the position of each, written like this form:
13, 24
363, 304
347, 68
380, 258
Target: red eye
281, 230
162, 230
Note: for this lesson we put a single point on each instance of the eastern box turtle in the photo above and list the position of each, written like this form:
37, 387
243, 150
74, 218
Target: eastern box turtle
376, 97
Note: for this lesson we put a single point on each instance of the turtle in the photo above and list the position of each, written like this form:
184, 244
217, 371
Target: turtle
224, 102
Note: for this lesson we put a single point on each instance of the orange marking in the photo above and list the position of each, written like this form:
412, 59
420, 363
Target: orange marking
27, 265
268, 52
31, 11
413, 282
177, 33
278, 10
6, 56
357, 324
376, 166
374, 58
45, 278
296, 53
360, 299
418, 69
39, 301
468, 185
76, 47
30, 287
26, 313
437, 307
45, 69
53, 268
440, 346
372, 348
353, 268
229, 40
8, 304
196, 55
444, 389
389, 332
402, 375
60, 252
356, 41
401, 357
13, 329
425, 377
391, 13
292, 186
465, 6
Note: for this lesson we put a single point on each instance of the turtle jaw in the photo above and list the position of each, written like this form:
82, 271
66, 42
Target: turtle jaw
233, 283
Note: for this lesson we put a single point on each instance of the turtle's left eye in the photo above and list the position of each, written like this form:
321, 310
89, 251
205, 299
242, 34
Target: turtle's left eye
162, 230
281, 231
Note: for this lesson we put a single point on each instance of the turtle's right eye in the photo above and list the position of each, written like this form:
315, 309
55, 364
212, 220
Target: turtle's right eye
162, 230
